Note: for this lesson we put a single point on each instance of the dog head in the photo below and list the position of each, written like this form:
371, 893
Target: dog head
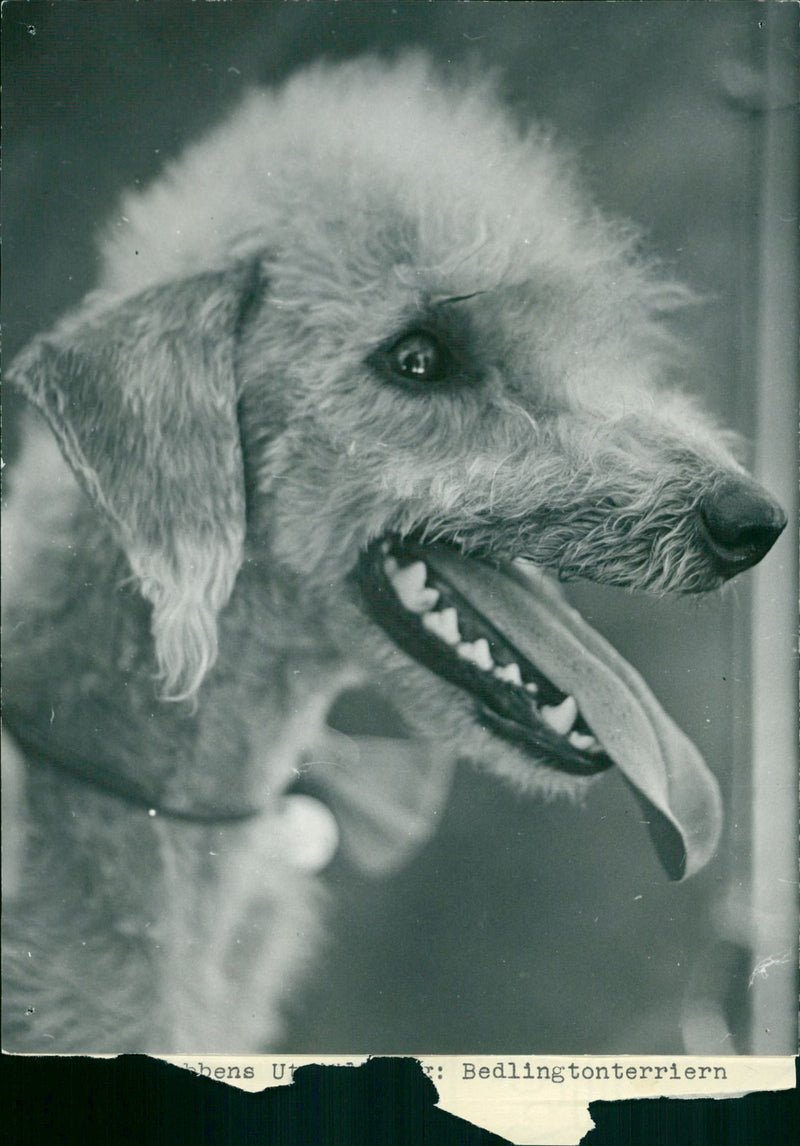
371, 334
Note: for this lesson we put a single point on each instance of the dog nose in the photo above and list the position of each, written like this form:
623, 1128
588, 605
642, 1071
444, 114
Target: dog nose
742, 523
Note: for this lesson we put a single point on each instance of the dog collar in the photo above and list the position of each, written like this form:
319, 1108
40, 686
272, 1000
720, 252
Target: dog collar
308, 829
376, 799
100, 776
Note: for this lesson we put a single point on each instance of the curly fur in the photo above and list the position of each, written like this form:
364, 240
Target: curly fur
231, 449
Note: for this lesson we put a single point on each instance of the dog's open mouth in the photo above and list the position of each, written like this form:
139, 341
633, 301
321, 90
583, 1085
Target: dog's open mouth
542, 679
432, 621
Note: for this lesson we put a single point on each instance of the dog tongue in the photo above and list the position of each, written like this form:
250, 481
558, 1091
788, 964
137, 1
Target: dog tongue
667, 773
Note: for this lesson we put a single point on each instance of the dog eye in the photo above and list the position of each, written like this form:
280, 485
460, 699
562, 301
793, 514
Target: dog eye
420, 357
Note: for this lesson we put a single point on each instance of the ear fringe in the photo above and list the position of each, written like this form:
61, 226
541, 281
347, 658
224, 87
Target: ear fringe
142, 397
187, 593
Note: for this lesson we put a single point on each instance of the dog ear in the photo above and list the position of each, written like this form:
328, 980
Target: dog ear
142, 398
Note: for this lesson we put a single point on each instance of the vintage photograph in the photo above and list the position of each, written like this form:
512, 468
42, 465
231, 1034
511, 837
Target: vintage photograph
398, 594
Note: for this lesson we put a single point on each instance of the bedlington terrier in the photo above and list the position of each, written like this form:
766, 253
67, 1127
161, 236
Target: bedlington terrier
364, 376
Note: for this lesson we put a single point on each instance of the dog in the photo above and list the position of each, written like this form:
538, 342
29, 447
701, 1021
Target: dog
365, 375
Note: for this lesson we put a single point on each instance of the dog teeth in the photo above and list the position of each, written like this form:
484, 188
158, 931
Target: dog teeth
560, 717
509, 673
427, 600
443, 625
477, 652
409, 585
582, 741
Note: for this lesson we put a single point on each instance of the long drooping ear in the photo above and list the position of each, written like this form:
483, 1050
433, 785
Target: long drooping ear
142, 398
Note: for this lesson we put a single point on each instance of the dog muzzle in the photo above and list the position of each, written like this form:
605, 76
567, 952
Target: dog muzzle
544, 680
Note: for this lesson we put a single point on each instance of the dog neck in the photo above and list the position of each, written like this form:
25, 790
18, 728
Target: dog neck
85, 695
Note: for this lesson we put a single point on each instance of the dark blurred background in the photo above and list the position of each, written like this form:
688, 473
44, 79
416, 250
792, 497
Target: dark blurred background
522, 927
